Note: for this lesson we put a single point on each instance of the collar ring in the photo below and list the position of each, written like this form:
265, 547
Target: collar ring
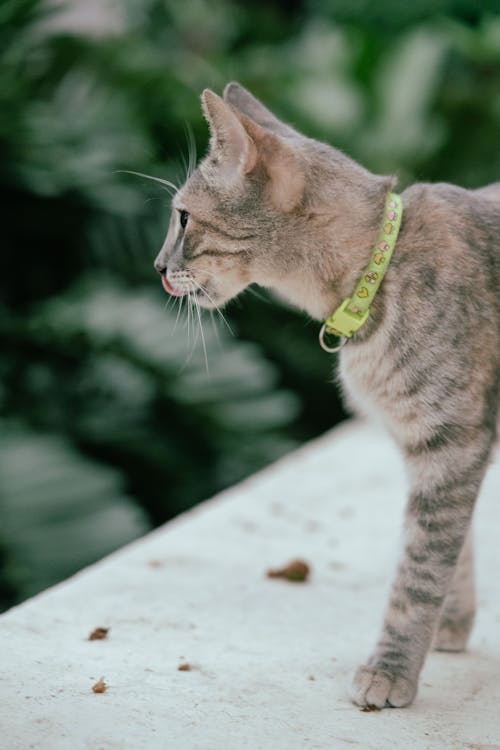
325, 346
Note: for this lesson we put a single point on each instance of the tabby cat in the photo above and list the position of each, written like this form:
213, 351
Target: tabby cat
270, 206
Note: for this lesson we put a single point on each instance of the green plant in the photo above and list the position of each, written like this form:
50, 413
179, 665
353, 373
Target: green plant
112, 379
59, 511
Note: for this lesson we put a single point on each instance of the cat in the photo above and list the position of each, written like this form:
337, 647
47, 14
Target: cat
270, 206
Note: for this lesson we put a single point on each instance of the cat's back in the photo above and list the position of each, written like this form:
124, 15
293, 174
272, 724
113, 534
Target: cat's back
469, 215
453, 235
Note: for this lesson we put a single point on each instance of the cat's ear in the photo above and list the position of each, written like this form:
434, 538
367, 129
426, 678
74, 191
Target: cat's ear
240, 146
278, 159
245, 102
230, 144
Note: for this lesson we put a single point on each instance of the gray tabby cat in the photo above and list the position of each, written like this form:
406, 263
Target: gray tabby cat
272, 207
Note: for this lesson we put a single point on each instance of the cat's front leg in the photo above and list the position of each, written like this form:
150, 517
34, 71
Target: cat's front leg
457, 615
437, 520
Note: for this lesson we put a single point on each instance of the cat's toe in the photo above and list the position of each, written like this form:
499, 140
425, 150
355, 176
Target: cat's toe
370, 687
380, 688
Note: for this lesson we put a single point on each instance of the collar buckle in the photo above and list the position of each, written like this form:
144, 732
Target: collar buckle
345, 322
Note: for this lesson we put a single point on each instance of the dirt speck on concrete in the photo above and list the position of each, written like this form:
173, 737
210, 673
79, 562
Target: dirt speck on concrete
98, 634
369, 708
296, 571
185, 667
100, 686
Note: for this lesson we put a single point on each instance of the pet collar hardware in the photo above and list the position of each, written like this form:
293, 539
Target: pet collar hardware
354, 311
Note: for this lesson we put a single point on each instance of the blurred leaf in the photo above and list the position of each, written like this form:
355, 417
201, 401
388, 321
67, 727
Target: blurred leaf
116, 372
406, 128
58, 155
389, 16
58, 510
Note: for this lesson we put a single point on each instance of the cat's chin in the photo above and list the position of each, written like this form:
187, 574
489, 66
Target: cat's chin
211, 300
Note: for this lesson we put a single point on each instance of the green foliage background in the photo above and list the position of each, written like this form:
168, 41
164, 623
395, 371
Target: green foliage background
109, 422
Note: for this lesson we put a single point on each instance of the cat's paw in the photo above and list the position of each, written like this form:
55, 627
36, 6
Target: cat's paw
380, 688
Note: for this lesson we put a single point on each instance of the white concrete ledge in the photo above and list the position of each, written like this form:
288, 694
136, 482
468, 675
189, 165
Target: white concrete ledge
270, 659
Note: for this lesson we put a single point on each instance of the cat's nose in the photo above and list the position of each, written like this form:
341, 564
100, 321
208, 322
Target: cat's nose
160, 266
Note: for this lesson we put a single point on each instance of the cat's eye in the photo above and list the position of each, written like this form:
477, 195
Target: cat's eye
184, 216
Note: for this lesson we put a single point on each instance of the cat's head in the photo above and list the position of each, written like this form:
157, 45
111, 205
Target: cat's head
254, 207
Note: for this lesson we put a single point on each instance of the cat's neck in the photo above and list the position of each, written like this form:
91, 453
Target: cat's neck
339, 245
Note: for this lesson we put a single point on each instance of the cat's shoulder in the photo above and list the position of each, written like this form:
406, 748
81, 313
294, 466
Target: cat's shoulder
430, 197
453, 216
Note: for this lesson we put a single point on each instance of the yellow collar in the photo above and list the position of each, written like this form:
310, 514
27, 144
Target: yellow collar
353, 312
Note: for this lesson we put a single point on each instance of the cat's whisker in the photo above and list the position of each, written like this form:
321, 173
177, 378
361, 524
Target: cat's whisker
257, 294
189, 317
195, 327
186, 316
202, 288
169, 186
168, 304
214, 326
185, 166
197, 308
192, 156
179, 308
191, 334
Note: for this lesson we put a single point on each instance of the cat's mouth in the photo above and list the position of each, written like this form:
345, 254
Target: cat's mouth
170, 289
200, 294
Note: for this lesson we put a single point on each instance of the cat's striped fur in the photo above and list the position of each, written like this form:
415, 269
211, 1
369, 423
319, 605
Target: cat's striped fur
268, 205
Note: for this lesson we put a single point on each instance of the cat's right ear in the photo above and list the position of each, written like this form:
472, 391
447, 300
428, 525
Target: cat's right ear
245, 102
230, 143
